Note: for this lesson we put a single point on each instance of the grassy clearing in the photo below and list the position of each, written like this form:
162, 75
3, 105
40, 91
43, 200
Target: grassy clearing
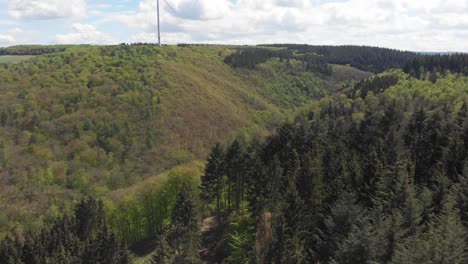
14, 58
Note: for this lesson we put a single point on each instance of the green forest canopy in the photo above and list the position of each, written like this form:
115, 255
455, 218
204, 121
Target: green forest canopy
368, 171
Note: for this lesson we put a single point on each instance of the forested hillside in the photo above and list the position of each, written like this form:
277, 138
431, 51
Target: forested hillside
420, 66
316, 161
375, 174
87, 120
371, 59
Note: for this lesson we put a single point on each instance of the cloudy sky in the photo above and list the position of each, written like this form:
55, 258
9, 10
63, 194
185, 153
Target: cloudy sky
420, 25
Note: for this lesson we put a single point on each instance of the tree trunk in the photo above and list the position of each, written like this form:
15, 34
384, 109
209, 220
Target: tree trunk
238, 189
217, 206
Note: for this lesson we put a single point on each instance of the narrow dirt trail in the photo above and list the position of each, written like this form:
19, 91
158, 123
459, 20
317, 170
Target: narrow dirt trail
212, 236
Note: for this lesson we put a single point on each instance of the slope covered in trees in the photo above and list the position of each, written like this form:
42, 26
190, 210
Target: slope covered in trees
371, 59
375, 178
82, 238
251, 57
369, 171
420, 66
92, 119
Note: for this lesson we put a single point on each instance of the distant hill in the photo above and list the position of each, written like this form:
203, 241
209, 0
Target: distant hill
32, 49
372, 59
439, 52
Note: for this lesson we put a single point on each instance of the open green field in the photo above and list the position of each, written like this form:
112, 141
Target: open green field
14, 58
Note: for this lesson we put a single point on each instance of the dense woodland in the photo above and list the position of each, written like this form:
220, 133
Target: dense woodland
420, 66
94, 120
365, 58
379, 178
250, 57
81, 238
31, 50
367, 171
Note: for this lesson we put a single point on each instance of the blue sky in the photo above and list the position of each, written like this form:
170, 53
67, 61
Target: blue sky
430, 25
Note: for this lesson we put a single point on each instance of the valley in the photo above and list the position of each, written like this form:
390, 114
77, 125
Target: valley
343, 154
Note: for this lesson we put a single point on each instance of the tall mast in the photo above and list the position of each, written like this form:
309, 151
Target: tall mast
159, 26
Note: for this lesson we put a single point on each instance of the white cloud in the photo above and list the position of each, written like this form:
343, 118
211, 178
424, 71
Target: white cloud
15, 30
199, 10
6, 40
103, 6
392, 23
416, 25
153, 38
7, 22
84, 34
293, 3
46, 9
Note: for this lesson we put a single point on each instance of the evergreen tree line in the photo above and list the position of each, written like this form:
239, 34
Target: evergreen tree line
371, 179
372, 59
225, 181
376, 85
418, 67
82, 238
251, 57
224, 190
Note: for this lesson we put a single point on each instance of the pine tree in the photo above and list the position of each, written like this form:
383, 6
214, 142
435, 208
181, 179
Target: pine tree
415, 139
458, 148
259, 190
105, 248
234, 171
89, 215
292, 211
185, 209
443, 242
391, 188
287, 245
389, 235
358, 247
462, 196
344, 214
10, 251
83, 238
412, 211
211, 186
184, 234
446, 236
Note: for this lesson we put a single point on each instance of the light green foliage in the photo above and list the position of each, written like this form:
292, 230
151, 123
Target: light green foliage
92, 119
370, 172
148, 210
288, 83
242, 238
450, 88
